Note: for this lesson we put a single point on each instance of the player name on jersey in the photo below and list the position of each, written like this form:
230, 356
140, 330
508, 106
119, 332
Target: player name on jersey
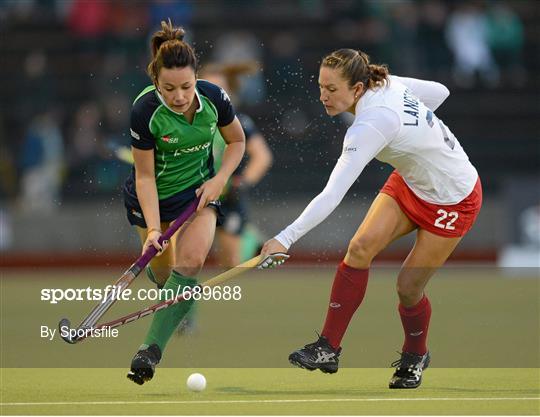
410, 104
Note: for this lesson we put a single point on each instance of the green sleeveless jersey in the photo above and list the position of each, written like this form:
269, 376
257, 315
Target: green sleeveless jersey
182, 150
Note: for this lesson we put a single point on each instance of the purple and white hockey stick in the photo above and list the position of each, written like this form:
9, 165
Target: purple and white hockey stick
127, 277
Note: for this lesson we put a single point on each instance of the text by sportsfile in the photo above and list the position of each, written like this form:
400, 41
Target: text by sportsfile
66, 332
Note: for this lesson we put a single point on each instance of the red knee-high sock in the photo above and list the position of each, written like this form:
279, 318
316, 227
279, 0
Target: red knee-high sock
347, 294
415, 322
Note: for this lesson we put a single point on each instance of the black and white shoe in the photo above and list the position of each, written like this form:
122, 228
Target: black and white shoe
144, 364
409, 370
318, 355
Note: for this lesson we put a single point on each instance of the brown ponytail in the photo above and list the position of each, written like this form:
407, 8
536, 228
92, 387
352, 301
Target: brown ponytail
231, 71
169, 50
356, 67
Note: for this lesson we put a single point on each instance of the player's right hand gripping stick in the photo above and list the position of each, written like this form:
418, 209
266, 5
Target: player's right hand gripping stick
273, 260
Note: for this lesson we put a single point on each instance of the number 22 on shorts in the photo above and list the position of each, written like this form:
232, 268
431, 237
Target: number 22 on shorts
444, 215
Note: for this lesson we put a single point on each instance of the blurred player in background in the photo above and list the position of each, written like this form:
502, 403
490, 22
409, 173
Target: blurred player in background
173, 123
434, 190
237, 240
232, 235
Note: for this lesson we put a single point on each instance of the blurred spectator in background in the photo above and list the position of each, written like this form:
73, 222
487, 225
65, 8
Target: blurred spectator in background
41, 164
97, 132
116, 108
128, 25
466, 34
364, 25
435, 56
404, 29
20, 10
113, 77
38, 83
505, 38
83, 152
89, 22
71, 52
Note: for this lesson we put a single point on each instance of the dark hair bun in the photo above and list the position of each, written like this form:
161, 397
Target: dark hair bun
169, 50
167, 33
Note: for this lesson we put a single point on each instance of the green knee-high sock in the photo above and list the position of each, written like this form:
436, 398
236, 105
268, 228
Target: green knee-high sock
165, 321
250, 242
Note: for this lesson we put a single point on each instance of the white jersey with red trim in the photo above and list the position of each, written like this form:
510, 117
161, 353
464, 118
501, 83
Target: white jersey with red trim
424, 150
395, 124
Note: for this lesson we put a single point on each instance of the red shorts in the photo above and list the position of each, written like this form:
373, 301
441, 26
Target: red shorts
453, 220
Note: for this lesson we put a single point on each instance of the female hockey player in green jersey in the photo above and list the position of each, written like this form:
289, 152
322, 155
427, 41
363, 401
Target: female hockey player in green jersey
173, 123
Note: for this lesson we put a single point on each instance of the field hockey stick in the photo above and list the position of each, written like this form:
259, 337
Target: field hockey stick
257, 261
128, 276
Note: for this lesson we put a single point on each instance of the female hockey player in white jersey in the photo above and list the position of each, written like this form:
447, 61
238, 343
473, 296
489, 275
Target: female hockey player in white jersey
434, 189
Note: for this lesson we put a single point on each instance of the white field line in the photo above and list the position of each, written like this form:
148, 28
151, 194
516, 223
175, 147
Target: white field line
312, 400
